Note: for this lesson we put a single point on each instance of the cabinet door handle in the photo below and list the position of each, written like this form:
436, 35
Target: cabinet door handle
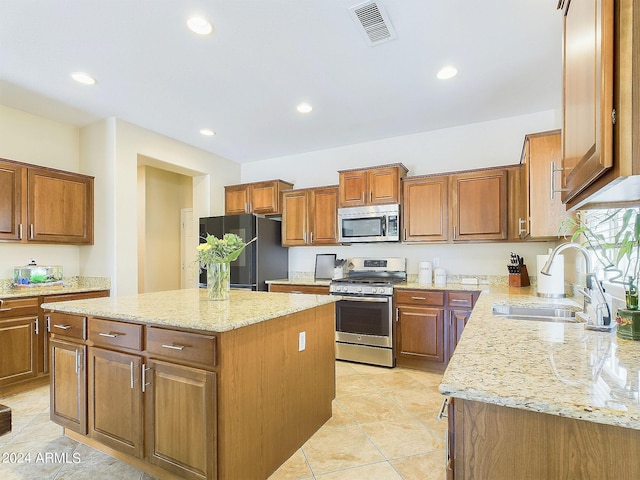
311, 237
521, 229
443, 408
37, 326
174, 347
31, 231
371, 196
47, 318
78, 356
61, 327
109, 335
5, 309
552, 182
20, 232
144, 377
131, 370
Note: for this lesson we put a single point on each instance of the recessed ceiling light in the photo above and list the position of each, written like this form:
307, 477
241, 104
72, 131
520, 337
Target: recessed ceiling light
304, 107
83, 78
207, 132
447, 72
199, 25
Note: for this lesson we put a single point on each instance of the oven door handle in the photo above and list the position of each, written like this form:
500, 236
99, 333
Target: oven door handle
367, 299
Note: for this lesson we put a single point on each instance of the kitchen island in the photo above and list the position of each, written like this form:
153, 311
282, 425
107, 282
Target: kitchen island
183, 387
534, 399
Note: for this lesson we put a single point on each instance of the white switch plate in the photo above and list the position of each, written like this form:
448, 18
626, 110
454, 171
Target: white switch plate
302, 341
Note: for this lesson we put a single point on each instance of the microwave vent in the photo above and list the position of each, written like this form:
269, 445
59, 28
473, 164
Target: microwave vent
373, 22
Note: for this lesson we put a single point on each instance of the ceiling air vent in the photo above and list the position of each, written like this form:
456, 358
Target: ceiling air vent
373, 22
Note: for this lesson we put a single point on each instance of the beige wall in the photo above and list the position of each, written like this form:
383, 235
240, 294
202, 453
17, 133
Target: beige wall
110, 150
36, 140
162, 197
479, 145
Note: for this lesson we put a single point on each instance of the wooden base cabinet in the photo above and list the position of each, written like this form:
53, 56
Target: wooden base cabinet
68, 392
180, 404
115, 400
503, 443
19, 335
428, 325
420, 329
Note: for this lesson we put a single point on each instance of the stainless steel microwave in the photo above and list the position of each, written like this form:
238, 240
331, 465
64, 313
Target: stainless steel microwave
375, 223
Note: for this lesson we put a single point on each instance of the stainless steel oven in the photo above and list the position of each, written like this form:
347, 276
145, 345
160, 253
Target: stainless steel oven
364, 328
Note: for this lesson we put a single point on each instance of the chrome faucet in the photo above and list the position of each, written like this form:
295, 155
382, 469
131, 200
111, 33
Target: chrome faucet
594, 299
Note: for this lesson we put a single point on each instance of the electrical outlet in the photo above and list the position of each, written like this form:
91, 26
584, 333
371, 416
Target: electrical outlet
302, 341
436, 262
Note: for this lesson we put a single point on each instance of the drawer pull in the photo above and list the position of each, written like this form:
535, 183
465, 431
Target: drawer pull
459, 300
418, 298
5, 309
174, 347
61, 327
295, 291
108, 335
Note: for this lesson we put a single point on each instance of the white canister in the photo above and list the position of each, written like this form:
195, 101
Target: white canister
425, 273
551, 286
440, 277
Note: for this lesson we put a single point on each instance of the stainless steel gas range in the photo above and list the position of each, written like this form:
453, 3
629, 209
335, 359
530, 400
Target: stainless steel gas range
364, 316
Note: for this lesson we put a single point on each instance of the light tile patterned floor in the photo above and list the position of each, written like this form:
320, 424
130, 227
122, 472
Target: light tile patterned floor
383, 427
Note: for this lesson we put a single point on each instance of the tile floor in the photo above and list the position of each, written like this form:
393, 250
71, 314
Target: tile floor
384, 427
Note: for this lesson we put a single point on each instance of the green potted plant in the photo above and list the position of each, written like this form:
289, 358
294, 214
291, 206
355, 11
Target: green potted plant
617, 248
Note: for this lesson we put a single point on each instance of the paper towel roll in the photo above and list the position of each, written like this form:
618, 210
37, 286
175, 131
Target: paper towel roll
425, 273
551, 286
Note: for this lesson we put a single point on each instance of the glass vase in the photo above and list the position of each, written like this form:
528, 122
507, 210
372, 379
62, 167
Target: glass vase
218, 279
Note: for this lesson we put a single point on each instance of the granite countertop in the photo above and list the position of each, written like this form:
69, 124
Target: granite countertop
191, 309
71, 285
555, 368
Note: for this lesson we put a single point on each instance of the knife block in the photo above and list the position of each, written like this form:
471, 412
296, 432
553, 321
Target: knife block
520, 279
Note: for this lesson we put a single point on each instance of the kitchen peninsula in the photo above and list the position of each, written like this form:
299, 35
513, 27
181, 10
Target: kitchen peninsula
172, 382
534, 399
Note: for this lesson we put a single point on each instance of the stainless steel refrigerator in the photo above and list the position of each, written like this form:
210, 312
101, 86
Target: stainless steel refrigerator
264, 259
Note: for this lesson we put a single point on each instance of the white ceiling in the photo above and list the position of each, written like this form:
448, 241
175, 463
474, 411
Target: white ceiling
265, 56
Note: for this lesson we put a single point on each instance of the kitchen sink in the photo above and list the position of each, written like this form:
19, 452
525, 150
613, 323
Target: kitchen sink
537, 313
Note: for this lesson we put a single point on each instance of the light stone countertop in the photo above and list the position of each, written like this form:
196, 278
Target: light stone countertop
190, 308
71, 285
555, 368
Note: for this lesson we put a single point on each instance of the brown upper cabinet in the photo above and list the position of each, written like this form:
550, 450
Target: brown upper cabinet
43, 205
600, 158
309, 217
259, 197
425, 212
542, 213
371, 186
479, 205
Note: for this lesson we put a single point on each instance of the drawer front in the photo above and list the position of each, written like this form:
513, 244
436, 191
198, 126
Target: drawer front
19, 307
74, 326
289, 288
460, 299
110, 333
187, 347
433, 298
75, 296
